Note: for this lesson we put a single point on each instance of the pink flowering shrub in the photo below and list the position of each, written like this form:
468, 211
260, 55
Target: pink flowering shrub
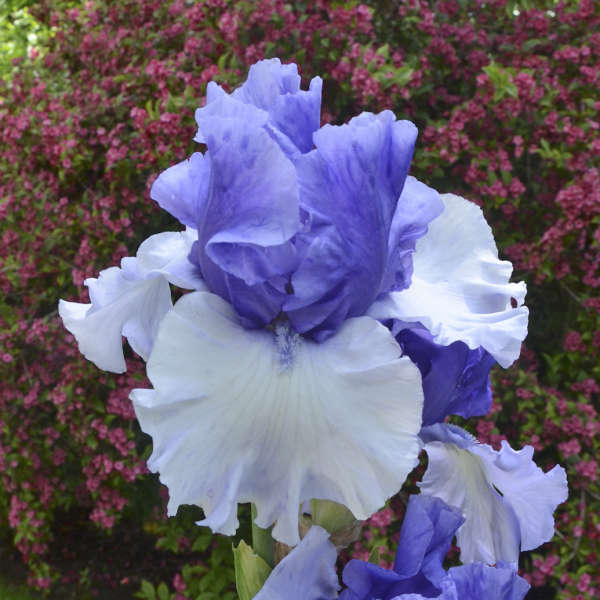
505, 97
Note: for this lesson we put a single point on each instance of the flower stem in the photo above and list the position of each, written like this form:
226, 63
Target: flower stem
262, 541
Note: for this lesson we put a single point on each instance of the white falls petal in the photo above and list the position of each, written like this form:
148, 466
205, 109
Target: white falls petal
460, 290
506, 499
308, 572
242, 415
131, 300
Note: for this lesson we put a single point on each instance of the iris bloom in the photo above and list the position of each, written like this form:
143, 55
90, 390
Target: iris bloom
285, 374
427, 531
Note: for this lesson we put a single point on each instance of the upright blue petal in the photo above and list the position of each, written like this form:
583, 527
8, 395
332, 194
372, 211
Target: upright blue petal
427, 531
250, 215
275, 88
455, 379
349, 187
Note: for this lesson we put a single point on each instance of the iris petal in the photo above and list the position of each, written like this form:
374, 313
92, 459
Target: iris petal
253, 416
275, 88
427, 531
455, 379
476, 581
249, 218
506, 499
131, 300
182, 189
349, 188
460, 289
308, 572
418, 205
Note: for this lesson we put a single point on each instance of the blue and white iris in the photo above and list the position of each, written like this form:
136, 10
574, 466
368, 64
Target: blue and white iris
331, 294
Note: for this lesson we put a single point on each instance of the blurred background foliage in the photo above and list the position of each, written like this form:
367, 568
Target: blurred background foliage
96, 98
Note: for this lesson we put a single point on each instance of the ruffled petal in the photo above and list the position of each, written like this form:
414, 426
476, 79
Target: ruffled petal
349, 188
477, 581
130, 301
417, 207
251, 212
460, 289
455, 379
270, 418
167, 253
427, 531
308, 572
182, 189
484, 484
275, 88
133, 308
533, 494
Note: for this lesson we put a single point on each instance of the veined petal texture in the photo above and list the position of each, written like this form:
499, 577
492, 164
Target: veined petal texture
460, 290
477, 581
507, 500
308, 572
251, 212
350, 189
130, 301
267, 417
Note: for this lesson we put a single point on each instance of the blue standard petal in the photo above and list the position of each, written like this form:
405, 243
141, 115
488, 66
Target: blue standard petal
275, 88
349, 189
427, 531
245, 230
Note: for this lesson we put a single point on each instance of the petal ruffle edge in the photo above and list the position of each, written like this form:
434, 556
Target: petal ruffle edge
507, 500
274, 419
131, 301
460, 290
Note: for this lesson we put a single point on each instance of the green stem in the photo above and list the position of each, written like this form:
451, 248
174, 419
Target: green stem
262, 541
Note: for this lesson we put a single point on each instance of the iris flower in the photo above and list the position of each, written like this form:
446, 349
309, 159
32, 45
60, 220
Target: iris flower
427, 531
289, 371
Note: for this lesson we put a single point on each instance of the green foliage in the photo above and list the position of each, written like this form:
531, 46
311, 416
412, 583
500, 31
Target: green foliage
251, 571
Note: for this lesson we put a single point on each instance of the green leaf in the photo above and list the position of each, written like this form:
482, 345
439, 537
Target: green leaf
147, 591
251, 571
163, 592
